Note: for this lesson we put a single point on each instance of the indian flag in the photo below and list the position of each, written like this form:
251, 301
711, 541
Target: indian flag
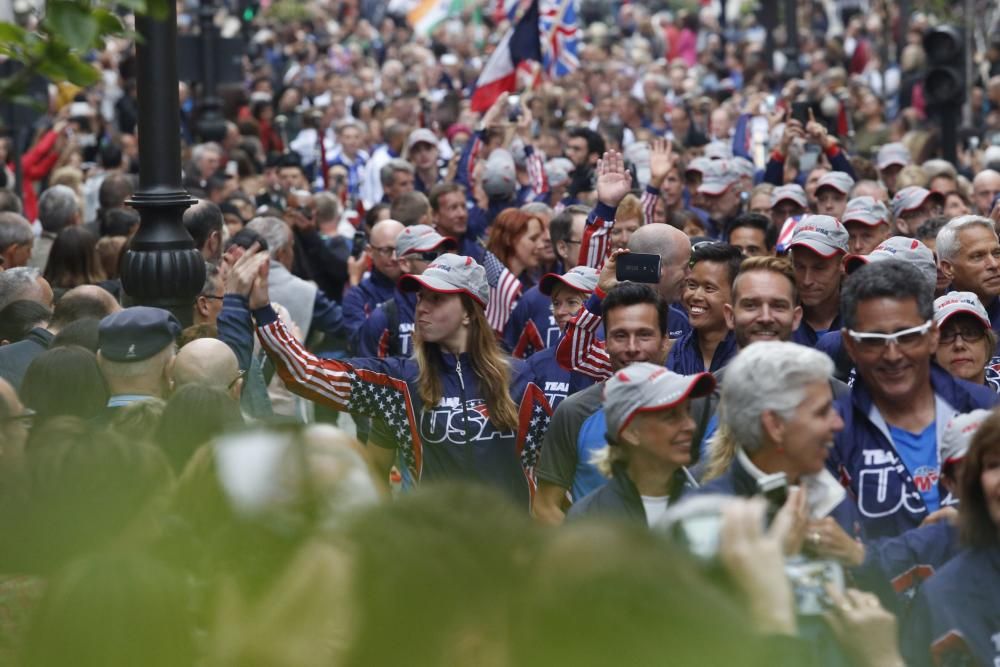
427, 14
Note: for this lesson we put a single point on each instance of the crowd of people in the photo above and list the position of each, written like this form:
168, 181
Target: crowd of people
673, 358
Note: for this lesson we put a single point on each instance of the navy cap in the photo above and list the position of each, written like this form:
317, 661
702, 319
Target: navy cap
136, 333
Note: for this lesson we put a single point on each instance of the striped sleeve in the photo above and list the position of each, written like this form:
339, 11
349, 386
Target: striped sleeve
596, 242
649, 199
579, 350
536, 171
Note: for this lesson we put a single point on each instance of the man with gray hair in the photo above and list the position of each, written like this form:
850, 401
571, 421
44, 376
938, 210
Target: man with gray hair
24, 282
307, 305
887, 454
969, 257
985, 188
397, 179
777, 417
16, 240
58, 208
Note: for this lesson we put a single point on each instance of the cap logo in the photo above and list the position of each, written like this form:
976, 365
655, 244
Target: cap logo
131, 351
913, 246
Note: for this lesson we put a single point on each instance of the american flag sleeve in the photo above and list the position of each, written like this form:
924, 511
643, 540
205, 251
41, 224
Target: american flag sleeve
579, 350
649, 199
534, 415
595, 245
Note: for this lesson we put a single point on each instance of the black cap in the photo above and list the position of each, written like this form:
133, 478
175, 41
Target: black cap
136, 333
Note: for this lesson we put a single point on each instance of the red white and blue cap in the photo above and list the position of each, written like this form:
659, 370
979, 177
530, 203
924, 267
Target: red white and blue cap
866, 210
837, 180
957, 435
948, 305
422, 238
823, 234
792, 192
892, 154
898, 247
581, 278
646, 387
451, 274
912, 198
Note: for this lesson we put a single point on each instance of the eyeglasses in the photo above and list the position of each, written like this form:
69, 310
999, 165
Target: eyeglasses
239, 376
428, 256
904, 338
211, 296
387, 251
968, 335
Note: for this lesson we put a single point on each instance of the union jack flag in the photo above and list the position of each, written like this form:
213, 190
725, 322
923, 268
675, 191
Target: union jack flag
505, 290
560, 37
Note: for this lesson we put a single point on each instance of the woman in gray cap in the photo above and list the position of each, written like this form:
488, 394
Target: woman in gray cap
457, 409
649, 442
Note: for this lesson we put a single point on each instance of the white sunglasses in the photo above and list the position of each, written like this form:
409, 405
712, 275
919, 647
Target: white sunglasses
902, 338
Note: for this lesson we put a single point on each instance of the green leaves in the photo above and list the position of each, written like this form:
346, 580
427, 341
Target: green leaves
72, 23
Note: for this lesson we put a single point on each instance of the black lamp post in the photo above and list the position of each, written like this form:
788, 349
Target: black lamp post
161, 267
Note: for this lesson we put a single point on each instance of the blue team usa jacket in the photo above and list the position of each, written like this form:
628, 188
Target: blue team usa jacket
866, 462
531, 326
388, 332
454, 439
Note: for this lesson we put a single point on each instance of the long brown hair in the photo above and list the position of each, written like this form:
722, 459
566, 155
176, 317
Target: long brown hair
975, 523
488, 362
510, 225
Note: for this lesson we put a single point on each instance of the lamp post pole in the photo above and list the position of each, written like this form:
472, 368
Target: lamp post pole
161, 267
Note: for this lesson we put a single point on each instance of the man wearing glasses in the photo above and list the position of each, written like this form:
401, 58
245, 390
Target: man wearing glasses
887, 453
361, 300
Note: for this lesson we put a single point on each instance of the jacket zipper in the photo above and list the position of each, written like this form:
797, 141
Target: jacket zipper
465, 420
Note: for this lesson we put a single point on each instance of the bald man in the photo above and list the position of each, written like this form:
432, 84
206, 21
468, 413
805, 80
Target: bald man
211, 363
985, 188
362, 299
674, 248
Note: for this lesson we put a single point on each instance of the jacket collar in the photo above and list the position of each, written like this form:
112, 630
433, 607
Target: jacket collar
823, 492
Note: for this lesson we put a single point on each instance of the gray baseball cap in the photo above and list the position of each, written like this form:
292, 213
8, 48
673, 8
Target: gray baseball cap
792, 192
957, 435
912, 198
699, 164
837, 180
581, 278
451, 274
422, 238
420, 136
898, 247
823, 234
866, 210
948, 305
890, 154
646, 387
719, 150
717, 177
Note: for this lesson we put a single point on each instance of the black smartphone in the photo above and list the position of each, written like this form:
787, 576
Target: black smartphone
358, 244
638, 267
800, 112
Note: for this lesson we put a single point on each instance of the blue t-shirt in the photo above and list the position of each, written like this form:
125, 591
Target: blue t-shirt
920, 456
589, 440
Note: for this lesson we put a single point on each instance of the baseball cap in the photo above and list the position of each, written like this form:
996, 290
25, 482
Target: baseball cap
422, 238
898, 247
743, 166
717, 177
500, 178
957, 435
699, 164
911, 198
451, 274
948, 305
837, 180
557, 171
890, 154
136, 333
793, 193
822, 234
646, 387
580, 278
420, 136
866, 210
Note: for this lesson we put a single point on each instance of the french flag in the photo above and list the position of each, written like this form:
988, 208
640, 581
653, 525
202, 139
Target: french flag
499, 75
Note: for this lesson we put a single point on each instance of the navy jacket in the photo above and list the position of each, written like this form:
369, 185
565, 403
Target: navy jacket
361, 300
909, 559
16, 357
685, 356
531, 326
375, 338
553, 379
806, 335
956, 616
454, 439
619, 499
865, 460
737, 481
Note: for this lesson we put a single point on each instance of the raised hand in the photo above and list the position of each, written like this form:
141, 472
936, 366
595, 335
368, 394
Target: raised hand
613, 180
661, 161
259, 295
496, 115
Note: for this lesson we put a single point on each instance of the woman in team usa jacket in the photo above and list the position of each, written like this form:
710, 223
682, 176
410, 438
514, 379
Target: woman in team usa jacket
458, 409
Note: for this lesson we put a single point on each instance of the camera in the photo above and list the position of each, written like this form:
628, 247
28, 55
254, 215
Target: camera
695, 524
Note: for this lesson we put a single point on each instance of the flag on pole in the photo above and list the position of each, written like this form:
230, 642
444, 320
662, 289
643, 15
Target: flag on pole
505, 290
560, 37
521, 43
